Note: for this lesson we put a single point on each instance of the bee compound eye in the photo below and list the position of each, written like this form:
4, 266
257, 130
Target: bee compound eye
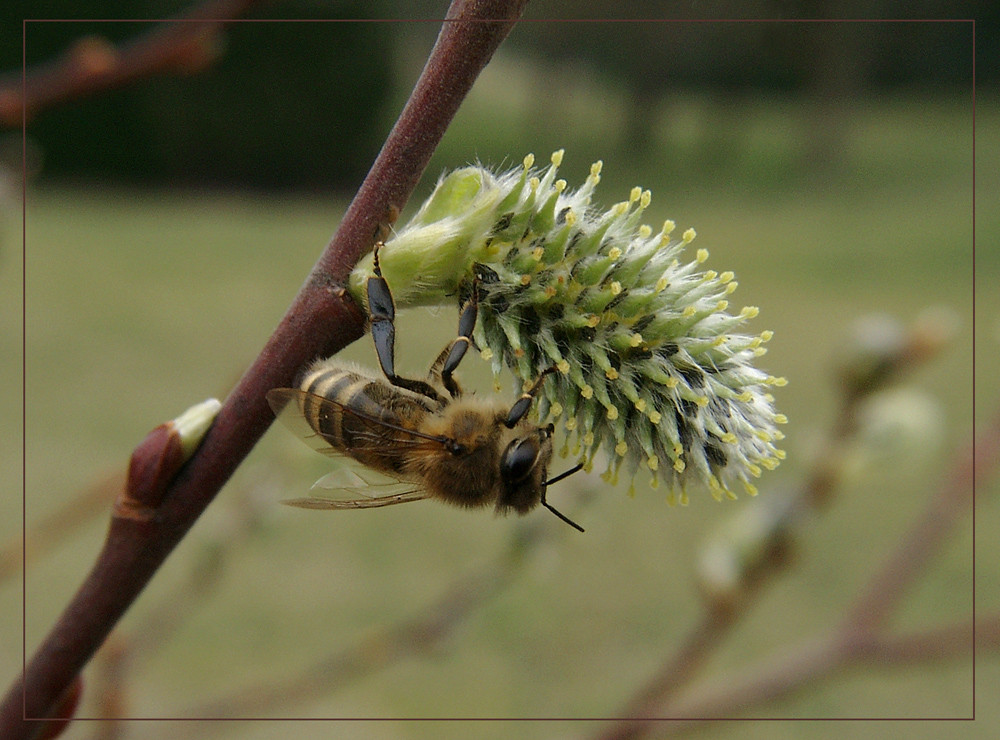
518, 460
455, 448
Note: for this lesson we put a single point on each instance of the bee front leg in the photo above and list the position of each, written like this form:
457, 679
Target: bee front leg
521, 405
382, 316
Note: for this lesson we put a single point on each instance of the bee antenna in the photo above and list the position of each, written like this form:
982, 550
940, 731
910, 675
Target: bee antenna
547, 505
566, 474
562, 516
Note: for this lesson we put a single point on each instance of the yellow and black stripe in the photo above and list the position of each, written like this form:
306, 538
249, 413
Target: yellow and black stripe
364, 418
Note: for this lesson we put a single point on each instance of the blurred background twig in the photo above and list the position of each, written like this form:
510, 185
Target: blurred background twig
90, 503
94, 65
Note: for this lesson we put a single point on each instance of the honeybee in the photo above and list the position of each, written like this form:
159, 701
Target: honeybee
443, 444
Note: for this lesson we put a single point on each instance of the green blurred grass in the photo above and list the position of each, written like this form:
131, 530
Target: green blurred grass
142, 303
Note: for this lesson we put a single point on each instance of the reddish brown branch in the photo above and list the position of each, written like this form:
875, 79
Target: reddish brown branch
321, 321
184, 46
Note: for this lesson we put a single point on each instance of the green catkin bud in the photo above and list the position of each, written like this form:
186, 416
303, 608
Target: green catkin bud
652, 369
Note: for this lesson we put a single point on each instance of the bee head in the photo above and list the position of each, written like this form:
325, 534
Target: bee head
523, 467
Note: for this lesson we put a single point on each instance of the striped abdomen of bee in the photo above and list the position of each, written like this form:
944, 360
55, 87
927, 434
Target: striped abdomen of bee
361, 417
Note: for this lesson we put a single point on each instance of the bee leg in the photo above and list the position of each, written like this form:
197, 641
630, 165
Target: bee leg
521, 405
456, 350
382, 315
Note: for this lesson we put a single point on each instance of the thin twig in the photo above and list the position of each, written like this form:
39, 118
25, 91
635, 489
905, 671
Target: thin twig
92, 65
948, 506
44, 534
682, 665
807, 664
321, 321
814, 661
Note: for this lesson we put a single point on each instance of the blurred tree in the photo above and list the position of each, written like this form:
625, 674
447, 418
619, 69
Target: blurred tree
830, 63
299, 104
287, 104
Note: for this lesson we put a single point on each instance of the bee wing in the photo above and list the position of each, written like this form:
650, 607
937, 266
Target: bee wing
366, 501
353, 476
359, 489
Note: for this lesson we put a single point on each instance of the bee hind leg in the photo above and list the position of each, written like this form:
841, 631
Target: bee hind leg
382, 316
448, 360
